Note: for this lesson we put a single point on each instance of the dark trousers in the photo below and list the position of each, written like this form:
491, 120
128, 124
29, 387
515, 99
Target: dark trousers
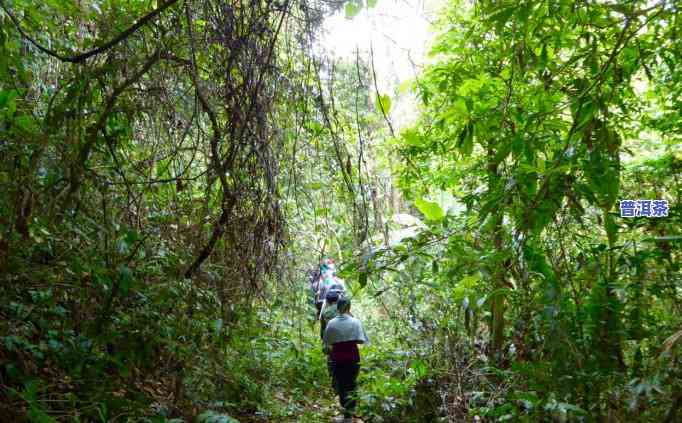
344, 379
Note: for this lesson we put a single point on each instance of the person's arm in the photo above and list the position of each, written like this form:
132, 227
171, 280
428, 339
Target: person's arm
322, 309
321, 290
326, 348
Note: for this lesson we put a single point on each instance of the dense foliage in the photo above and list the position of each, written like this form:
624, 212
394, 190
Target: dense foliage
172, 170
537, 118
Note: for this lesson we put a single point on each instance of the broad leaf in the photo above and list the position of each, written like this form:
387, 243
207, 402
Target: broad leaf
431, 210
383, 102
352, 9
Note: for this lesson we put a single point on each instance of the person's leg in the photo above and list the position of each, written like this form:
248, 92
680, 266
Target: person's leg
351, 388
340, 377
346, 376
330, 368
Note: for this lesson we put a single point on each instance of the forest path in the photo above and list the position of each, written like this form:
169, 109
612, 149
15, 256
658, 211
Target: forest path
320, 403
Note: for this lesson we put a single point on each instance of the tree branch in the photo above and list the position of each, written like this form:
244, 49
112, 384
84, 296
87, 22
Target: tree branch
100, 124
81, 57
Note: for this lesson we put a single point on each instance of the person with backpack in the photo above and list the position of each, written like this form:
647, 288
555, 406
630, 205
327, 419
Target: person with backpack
327, 282
341, 338
329, 311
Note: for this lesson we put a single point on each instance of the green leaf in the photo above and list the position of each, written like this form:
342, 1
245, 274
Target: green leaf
412, 137
125, 278
4, 98
383, 102
585, 114
217, 326
11, 105
420, 369
542, 62
466, 140
503, 151
611, 228
352, 9
362, 279
460, 107
371, 3
430, 210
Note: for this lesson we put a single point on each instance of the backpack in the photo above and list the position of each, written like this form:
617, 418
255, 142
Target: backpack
335, 284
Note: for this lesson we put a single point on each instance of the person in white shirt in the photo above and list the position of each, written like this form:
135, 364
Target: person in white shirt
341, 339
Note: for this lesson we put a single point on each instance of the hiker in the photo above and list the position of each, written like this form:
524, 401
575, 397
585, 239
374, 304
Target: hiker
329, 311
341, 339
327, 282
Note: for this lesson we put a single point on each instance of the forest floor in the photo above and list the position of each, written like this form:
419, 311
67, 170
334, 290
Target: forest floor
321, 406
